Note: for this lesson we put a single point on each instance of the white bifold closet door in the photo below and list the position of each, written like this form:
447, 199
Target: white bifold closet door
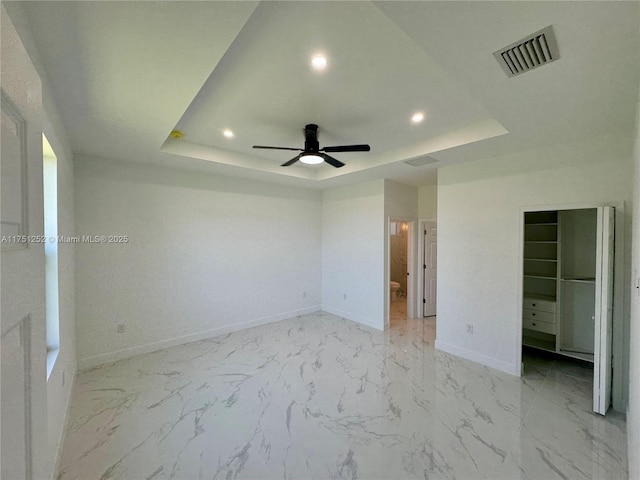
603, 310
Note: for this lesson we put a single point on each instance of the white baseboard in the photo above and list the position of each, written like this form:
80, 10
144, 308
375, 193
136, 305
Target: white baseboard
94, 361
633, 438
351, 316
476, 357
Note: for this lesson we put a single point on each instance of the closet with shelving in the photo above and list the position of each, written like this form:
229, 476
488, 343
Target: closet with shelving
567, 287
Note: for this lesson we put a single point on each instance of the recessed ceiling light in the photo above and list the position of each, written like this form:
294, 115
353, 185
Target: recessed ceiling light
319, 62
417, 117
311, 159
228, 133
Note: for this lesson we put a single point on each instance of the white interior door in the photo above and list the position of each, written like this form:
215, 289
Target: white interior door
603, 310
430, 272
22, 323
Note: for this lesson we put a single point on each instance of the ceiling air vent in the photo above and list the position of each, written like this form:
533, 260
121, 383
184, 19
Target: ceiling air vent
531, 52
420, 161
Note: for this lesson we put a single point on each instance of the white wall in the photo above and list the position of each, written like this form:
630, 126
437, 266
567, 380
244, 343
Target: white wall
400, 200
633, 414
206, 255
353, 252
428, 201
479, 257
58, 395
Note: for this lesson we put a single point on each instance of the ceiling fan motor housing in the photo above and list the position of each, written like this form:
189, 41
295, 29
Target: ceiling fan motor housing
311, 138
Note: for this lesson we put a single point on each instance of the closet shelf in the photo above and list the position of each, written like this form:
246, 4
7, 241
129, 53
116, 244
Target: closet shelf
540, 241
541, 260
546, 277
541, 223
538, 296
579, 279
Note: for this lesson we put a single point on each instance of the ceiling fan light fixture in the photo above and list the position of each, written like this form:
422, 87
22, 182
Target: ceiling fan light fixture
311, 159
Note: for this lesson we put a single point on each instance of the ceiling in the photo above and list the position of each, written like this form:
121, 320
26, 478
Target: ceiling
125, 74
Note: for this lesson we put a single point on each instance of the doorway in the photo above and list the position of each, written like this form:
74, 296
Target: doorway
567, 287
398, 269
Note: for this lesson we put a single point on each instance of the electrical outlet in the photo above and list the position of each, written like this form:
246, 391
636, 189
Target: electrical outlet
344, 296
304, 294
469, 327
121, 328
63, 378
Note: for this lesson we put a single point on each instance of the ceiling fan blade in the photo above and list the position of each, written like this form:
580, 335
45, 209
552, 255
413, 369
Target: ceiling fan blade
278, 148
347, 148
292, 161
331, 161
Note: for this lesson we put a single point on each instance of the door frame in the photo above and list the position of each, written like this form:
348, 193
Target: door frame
411, 270
620, 310
420, 260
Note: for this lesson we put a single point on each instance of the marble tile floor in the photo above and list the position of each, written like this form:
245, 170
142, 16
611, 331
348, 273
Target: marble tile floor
319, 396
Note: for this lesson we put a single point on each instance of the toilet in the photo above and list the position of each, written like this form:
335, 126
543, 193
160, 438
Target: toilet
393, 290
